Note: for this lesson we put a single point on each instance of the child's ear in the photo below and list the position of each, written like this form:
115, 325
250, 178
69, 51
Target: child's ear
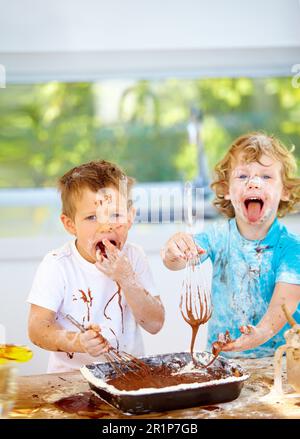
68, 223
285, 195
131, 216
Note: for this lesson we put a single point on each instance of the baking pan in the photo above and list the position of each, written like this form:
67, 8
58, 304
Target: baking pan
175, 397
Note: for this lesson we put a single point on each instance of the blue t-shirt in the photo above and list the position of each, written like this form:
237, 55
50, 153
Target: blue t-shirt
244, 276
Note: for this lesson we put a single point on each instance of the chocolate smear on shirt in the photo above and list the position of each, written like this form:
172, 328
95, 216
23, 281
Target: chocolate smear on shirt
119, 293
88, 300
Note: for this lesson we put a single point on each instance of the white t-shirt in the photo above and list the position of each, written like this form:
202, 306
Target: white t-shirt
65, 282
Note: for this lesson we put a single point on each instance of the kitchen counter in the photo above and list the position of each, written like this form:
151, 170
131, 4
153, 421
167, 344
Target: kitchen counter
44, 396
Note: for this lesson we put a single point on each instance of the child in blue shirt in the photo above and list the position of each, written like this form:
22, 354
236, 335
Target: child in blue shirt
256, 261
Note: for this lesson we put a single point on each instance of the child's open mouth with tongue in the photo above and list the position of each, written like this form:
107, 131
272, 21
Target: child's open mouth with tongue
253, 208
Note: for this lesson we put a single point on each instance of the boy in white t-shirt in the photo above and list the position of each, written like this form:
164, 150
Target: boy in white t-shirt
98, 278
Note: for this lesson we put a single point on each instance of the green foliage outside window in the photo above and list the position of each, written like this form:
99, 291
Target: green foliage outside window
45, 129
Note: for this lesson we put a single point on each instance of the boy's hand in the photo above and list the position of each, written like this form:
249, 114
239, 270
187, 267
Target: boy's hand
116, 265
92, 341
180, 247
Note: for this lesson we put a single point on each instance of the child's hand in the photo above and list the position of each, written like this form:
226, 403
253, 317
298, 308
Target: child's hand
249, 340
116, 265
223, 341
180, 246
93, 342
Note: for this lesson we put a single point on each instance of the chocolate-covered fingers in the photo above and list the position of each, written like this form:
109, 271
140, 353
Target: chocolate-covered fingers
247, 329
112, 251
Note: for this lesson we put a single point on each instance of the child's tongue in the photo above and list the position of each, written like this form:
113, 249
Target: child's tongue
253, 210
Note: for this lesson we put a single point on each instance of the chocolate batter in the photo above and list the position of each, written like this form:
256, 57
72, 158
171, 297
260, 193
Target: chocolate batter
164, 376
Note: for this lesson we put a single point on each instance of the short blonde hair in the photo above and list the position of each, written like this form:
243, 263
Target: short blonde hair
94, 175
253, 146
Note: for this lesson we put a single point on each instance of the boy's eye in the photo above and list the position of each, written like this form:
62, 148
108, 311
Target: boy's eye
91, 218
117, 215
118, 218
266, 177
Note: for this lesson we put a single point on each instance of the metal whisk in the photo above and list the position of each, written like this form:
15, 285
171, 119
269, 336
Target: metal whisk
121, 361
195, 301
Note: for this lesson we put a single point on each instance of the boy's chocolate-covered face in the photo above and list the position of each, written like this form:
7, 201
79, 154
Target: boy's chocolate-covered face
101, 215
255, 190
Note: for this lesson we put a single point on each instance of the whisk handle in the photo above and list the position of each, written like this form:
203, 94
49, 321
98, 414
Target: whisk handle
74, 322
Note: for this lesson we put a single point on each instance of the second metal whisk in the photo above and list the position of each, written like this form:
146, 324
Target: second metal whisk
121, 362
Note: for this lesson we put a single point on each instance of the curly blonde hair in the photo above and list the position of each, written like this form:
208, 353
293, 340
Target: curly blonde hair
253, 146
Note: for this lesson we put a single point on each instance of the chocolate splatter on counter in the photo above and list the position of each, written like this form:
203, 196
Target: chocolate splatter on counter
74, 403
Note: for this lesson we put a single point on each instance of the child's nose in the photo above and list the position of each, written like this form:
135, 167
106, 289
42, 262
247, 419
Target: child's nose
115, 226
104, 228
254, 183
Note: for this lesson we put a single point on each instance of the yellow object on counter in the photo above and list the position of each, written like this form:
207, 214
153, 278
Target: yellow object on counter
9, 352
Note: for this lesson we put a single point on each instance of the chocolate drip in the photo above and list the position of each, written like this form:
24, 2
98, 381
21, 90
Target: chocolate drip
218, 345
197, 313
118, 292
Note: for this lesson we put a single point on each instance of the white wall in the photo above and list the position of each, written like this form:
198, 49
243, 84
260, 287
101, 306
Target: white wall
90, 39
80, 25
